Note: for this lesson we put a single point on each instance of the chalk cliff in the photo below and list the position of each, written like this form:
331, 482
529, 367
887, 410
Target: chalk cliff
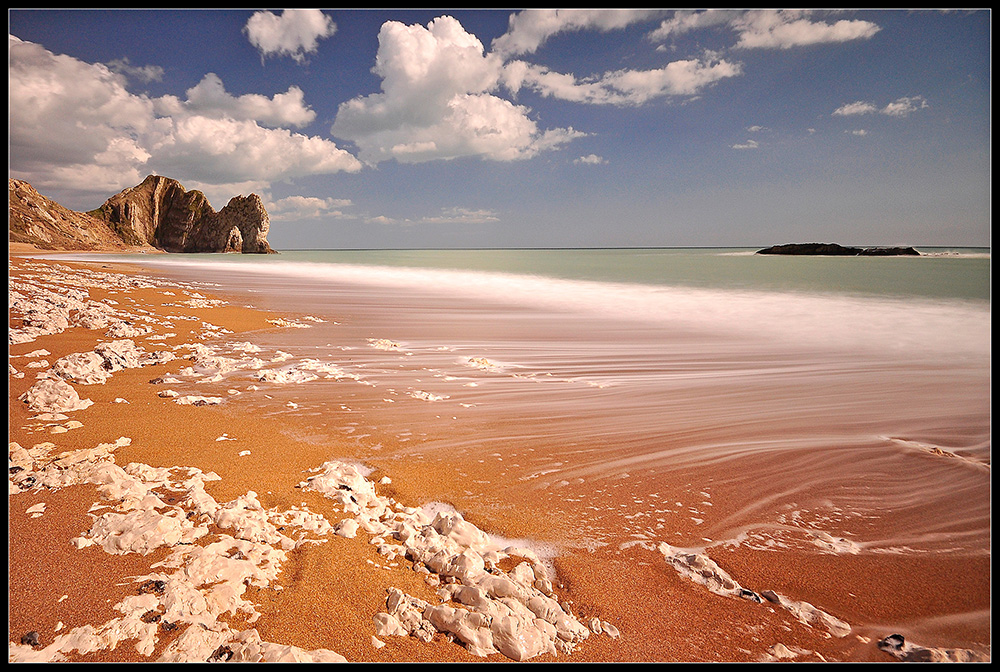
40, 221
158, 213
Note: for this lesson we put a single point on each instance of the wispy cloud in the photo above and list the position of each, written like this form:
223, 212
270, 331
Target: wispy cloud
145, 73
767, 29
529, 29
450, 216
784, 29
621, 87
308, 207
591, 160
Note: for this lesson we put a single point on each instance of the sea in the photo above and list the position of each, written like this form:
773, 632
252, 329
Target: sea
767, 409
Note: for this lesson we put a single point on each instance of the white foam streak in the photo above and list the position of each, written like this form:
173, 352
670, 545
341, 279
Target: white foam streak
889, 326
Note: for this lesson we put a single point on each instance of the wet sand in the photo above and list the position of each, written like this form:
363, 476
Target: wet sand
327, 593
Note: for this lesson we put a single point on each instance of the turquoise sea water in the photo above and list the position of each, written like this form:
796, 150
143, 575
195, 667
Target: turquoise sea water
949, 273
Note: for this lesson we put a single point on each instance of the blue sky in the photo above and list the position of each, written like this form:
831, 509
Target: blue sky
497, 128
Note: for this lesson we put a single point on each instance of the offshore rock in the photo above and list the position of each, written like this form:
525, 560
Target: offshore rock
833, 249
161, 213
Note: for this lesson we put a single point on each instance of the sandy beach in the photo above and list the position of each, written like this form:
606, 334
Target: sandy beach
165, 521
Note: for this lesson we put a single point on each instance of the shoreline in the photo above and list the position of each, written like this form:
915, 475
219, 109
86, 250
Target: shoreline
157, 432
346, 578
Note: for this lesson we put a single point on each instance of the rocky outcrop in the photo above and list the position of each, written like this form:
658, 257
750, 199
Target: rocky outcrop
43, 223
161, 213
833, 249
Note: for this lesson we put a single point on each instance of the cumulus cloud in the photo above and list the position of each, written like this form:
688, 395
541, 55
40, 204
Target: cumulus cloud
209, 98
749, 144
71, 123
295, 33
76, 128
590, 159
622, 87
529, 29
436, 102
901, 107
229, 150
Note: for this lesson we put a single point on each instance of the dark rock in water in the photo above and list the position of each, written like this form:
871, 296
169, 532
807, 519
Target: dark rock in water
835, 250
31, 638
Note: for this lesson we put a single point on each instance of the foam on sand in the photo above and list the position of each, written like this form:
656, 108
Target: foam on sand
699, 568
201, 583
514, 613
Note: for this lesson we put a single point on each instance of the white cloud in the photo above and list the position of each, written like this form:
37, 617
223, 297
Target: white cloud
783, 29
228, 150
621, 87
859, 132
684, 21
857, 107
76, 128
590, 159
529, 29
767, 29
209, 98
307, 207
749, 144
72, 124
901, 107
449, 216
295, 33
146, 73
436, 102
756, 129
461, 216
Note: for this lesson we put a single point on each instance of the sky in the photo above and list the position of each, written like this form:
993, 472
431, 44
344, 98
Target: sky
535, 128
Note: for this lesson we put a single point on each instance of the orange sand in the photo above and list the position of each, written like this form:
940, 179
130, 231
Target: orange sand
330, 590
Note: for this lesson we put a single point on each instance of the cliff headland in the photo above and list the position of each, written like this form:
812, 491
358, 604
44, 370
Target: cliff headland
158, 214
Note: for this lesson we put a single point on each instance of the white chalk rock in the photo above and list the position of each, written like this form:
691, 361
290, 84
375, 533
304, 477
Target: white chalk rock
54, 395
85, 368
